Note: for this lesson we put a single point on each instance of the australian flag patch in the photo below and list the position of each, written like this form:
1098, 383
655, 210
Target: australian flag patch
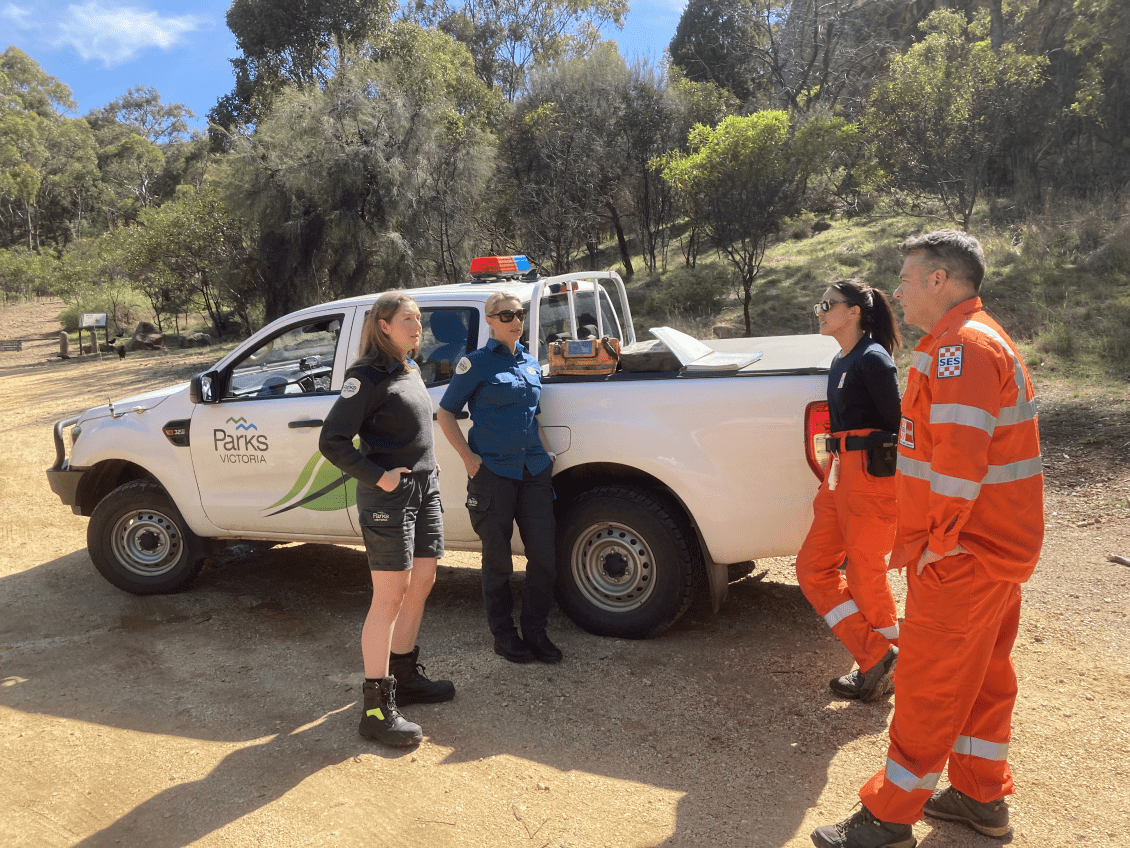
949, 361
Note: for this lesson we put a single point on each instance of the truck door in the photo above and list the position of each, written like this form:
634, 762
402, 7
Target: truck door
255, 452
449, 333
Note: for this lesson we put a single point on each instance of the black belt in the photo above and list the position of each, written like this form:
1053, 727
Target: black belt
854, 443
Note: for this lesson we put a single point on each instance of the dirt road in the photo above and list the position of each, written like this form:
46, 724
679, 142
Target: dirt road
226, 715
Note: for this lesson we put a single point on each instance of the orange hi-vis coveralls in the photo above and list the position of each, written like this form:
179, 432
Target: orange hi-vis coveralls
970, 491
854, 517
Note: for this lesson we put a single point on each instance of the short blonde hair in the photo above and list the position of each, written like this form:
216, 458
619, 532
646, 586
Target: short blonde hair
498, 297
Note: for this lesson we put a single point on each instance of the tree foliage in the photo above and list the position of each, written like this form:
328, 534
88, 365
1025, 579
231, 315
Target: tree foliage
340, 179
716, 42
509, 38
290, 42
947, 107
742, 178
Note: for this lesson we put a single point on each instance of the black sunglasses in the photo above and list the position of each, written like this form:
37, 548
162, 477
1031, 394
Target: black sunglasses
508, 315
826, 305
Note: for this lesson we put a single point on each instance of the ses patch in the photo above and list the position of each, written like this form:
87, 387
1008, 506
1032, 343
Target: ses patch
464, 366
949, 361
906, 433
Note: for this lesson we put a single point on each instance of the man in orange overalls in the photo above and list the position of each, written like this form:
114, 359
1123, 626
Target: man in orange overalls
970, 527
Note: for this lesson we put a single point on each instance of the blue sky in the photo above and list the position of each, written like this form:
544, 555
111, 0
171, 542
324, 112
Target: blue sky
102, 48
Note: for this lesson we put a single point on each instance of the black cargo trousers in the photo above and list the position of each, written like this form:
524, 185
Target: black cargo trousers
495, 503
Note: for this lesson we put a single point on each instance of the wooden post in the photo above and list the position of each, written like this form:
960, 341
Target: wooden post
64, 342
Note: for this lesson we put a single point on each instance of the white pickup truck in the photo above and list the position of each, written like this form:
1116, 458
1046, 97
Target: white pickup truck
663, 479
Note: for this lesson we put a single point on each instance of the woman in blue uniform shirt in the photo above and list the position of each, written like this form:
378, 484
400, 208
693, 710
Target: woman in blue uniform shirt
509, 475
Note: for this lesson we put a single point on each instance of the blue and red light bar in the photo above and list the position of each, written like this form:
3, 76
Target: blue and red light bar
499, 266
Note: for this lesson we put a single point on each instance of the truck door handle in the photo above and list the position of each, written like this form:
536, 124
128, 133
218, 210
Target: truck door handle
305, 422
459, 415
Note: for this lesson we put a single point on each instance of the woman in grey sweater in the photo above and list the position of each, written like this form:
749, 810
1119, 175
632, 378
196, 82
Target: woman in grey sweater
385, 402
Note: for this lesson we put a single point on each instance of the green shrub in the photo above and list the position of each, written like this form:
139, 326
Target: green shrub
695, 292
123, 312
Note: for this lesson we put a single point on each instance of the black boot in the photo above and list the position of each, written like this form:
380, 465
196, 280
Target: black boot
381, 720
412, 687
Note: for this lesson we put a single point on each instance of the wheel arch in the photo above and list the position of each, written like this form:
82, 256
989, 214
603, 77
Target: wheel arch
104, 477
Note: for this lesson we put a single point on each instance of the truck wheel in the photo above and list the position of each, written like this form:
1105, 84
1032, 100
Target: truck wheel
140, 543
626, 563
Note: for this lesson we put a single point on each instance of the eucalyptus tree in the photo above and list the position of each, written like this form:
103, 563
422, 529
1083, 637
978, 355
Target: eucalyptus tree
289, 43
509, 38
142, 111
565, 158
48, 167
742, 178
341, 179
716, 41
1099, 41
946, 108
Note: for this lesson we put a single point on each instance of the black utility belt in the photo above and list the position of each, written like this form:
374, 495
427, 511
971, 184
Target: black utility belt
849, 443
882, 450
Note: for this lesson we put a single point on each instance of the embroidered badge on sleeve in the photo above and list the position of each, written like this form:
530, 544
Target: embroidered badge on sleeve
906, 433
464, 366
350, 387
949, 361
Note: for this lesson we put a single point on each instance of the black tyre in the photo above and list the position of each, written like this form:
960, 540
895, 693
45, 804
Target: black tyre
140, 543
626, 562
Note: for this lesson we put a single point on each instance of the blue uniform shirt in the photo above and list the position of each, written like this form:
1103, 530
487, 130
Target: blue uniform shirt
502, 392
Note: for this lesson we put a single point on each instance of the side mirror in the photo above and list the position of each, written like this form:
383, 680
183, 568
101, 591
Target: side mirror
204, 388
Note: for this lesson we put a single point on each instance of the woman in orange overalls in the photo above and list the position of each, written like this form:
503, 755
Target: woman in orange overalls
854, 509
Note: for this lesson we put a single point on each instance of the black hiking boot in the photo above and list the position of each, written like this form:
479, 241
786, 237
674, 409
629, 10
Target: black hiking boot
987, 817
509, 645
863, 830
868, 685
381, 720
412, 687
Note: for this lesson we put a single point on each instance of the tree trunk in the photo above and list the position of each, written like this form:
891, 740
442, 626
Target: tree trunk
996, 25
621, 240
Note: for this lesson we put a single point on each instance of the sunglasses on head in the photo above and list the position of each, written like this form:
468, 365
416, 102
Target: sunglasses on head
508, 315
825, 306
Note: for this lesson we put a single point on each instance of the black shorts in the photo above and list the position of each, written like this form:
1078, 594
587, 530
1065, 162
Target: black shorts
401, 525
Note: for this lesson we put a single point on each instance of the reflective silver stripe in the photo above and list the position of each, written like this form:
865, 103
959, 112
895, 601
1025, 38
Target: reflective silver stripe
956, 487
1014, 471
1023, 411
950, 487
841, 612
891, 632
959, 413
922, 362
971, 746
906, 780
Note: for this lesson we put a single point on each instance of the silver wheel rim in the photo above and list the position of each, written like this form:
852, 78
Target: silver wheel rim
147, 543
613, 567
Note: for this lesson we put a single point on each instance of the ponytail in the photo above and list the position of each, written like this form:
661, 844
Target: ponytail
876, 317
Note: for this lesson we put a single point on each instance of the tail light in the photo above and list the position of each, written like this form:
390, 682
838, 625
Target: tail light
817, 425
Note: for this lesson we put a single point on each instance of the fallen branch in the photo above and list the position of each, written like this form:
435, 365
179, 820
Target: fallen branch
1121, 560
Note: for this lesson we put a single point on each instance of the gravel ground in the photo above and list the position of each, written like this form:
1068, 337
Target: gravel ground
226, 715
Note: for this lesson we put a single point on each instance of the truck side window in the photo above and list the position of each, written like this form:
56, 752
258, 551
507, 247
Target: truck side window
448, 335
296, 360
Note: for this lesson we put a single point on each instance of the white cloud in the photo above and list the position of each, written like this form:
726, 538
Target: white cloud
19, 16
117, 34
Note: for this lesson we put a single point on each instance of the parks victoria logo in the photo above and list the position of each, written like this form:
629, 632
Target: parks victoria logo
241, 445
320, 486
